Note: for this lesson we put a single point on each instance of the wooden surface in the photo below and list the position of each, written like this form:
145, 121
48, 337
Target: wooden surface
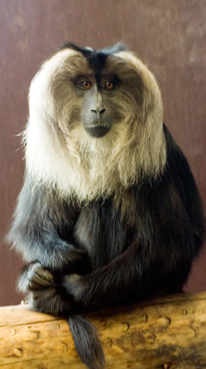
168, 35
164, 334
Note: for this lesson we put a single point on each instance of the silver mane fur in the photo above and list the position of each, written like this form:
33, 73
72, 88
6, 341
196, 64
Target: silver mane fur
59, 152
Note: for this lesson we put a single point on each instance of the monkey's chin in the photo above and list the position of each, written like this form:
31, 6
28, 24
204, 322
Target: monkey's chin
97, 132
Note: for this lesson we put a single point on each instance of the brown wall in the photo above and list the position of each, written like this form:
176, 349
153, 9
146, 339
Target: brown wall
168, 35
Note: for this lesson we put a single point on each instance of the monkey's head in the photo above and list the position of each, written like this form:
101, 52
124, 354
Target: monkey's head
95, 122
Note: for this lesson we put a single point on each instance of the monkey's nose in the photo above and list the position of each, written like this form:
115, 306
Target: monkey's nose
98, 112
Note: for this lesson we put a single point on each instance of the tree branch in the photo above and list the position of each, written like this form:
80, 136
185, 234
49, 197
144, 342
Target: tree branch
167, 333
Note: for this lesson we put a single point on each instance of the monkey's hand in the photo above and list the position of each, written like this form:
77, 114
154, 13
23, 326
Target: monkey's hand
35, 277
44, 291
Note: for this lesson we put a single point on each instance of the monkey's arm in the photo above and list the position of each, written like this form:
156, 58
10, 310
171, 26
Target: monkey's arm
37, 230
142, 271
130, 277
139, 273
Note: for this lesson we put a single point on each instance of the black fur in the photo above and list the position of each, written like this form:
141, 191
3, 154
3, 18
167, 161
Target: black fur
124, 261
86, 257
96, 58
86, 341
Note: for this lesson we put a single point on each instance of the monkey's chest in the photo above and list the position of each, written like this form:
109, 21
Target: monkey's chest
101, 232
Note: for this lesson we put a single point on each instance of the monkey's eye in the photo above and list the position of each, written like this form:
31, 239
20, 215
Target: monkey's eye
108, 85
85, 85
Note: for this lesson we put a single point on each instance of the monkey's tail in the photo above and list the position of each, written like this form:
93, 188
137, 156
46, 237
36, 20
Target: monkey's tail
86, 342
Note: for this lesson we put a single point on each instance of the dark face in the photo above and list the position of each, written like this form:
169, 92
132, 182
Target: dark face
98, 94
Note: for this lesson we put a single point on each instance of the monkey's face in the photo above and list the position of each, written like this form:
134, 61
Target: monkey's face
95, 97
98, 113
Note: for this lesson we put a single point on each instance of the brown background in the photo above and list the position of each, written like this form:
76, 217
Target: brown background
170, 36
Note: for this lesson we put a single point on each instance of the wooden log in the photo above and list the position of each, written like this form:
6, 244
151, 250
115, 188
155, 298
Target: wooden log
167, 333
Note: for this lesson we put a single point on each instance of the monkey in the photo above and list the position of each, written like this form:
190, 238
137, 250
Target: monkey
109, 212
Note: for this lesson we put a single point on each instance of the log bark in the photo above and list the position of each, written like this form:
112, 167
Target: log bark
167, 333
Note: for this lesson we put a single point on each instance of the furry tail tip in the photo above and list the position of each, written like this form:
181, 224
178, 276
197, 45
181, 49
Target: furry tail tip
86, 342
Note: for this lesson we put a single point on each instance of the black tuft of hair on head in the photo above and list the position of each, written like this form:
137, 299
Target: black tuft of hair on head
96, 58
114, 49
86, 51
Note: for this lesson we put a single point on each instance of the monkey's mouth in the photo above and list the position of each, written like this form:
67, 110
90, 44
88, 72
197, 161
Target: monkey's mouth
97, 131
